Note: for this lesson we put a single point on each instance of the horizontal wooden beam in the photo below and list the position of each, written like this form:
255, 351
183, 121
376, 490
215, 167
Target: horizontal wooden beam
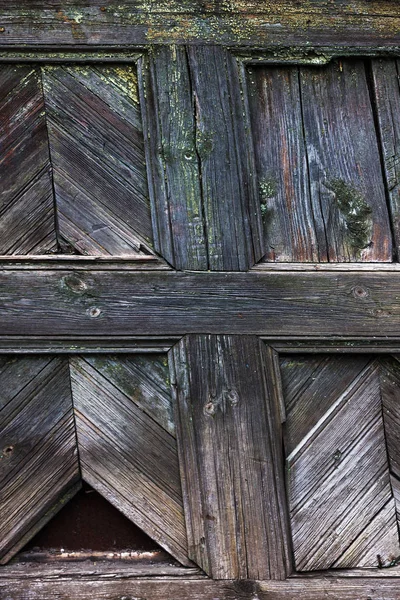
110, 584
236, 23
166, 303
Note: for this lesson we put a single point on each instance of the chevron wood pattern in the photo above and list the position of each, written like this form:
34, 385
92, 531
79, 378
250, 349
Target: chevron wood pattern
72, 162
38, 459
127, 453
341, 459
27, 224
105, 419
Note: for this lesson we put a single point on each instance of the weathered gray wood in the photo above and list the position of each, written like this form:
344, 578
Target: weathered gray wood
97, 155
233, 518
344, 162
318, 164
38, 460
270, 23
174, 172
126, 455
341, 503
330, 588
161, 303
27, 223
387, 96
205, 206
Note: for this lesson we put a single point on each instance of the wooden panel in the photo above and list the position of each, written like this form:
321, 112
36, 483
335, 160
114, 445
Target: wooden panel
97, 154
228, 476
358, 23
126, 455
318, 160
174, 177
108, 303
26, 209
38, 461
387, 96
205, 207
341, 502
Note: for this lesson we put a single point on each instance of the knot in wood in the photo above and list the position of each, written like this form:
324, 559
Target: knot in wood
75, 284
94, 312
7, 452
360, 292
210, 408
232, 397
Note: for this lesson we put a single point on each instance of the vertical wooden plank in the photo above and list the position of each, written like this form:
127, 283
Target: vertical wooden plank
38, 459
234, 522
204, 198
293, 226
27, 224
231, 207
173, 164
385, 75
97, 154
346, 179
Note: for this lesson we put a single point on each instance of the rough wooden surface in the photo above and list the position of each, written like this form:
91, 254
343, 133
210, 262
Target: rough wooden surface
284, 304
205, 206
233, 516
27, 222
284, 23
38, 459
72, 162
127, 456
317, 162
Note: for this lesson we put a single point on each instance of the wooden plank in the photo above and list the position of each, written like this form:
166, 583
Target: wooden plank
341, 503
270, 23
387, 97
293, 227
344, 162
283, 305
174, 173
330, 588
39, 464
27, 223
126, 455
97, 154
233, 518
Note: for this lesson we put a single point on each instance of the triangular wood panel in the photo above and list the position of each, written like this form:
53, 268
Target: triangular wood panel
72, 162
106, 420
39, 460
341, 453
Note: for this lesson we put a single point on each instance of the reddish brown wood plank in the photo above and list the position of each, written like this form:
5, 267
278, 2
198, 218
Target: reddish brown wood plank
229, 479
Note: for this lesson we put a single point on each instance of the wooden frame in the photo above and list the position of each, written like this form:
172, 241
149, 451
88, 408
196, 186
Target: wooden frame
346, 308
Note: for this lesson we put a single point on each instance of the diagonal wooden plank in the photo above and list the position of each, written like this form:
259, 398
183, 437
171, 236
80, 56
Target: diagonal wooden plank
96, 145
27, 224
234, 519
342, 457
38, 461
142, 378
310, 387
126, 455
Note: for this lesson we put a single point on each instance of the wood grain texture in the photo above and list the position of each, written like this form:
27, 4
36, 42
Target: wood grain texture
233, 517
359, 23
112, 303
387, 97
341, 499
27, 224
126, 455
97, 154
38, 461
205, 206
318, 162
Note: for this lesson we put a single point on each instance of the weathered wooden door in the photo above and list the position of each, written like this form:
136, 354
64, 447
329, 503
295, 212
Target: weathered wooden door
199, 293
